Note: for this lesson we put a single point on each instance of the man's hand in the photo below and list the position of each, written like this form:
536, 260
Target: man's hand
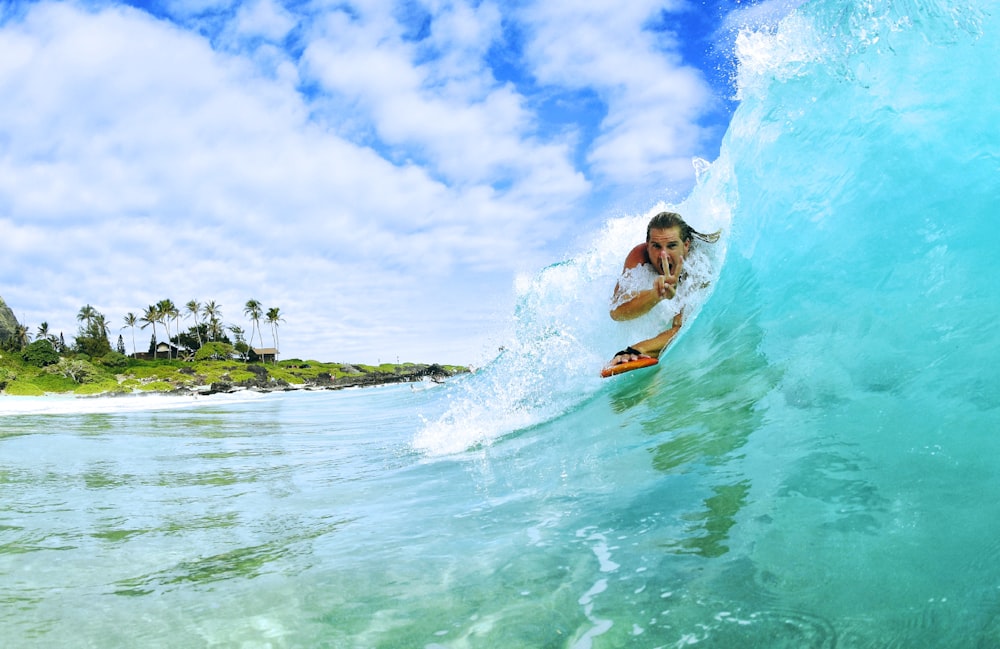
664, 289
627, 355
666, 284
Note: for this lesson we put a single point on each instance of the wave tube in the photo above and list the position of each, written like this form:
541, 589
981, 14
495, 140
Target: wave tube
856, 187
865, 168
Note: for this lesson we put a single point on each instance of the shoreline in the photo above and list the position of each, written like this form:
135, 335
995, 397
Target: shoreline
416, 373
226, 378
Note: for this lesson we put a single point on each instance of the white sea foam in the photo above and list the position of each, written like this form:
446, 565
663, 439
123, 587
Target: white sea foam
67, 404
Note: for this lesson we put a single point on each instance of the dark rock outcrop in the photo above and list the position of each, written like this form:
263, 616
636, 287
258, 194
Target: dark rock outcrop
8, 323
405, 374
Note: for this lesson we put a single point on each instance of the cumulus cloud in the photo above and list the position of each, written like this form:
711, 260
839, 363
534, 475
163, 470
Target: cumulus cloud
654, 101
362, 168
263, 19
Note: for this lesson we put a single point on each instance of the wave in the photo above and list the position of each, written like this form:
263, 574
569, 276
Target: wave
856, 187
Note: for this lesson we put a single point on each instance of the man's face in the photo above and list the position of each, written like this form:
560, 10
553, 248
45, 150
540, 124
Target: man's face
666, 249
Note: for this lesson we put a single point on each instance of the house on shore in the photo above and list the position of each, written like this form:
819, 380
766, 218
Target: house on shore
165, 350
264, 354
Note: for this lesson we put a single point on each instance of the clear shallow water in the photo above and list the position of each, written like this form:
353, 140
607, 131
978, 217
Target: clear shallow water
814, 464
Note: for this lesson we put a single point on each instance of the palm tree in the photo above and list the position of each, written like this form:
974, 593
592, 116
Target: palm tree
194, 308
130, 321
100, 327
150, 316
22, 335
43, 332
166, 310
273, 318
254, 311
213, 312
175, 313
98, 333
86, 314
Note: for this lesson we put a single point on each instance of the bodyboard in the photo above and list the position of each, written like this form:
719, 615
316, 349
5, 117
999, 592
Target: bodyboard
612, 370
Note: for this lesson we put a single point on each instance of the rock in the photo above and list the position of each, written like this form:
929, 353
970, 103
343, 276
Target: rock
259, 370
8, 323
220, 387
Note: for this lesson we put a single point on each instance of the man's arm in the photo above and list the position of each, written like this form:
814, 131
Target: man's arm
644, 300
652, 347
655, 345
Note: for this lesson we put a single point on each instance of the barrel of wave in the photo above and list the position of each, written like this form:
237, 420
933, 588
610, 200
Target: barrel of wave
865, 161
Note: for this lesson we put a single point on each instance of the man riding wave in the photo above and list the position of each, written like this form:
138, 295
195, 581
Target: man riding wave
668, 242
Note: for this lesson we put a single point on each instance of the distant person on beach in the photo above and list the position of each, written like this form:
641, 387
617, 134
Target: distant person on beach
668, 240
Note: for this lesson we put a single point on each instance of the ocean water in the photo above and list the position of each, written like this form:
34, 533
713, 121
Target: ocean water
814, 464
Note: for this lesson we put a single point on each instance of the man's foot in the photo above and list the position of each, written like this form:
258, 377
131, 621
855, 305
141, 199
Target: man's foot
626, 355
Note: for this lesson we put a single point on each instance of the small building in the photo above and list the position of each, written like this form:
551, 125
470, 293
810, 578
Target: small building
264, 354
170, 350
164, 350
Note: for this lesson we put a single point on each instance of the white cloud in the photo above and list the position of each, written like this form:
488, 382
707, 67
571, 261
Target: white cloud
447, 110
654, 102
264, 19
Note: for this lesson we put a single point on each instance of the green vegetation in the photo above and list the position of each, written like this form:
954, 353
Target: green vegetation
40, 353
78, 374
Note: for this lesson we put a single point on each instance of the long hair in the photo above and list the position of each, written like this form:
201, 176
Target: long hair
666, 220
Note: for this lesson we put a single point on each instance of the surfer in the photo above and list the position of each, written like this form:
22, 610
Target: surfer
668, 240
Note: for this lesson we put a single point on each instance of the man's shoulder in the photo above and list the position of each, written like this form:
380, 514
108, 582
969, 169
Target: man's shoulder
637, 256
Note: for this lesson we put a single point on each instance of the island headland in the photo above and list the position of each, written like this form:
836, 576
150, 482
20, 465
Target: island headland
90, 366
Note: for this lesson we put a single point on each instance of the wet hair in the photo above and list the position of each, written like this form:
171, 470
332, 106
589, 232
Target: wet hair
667, 220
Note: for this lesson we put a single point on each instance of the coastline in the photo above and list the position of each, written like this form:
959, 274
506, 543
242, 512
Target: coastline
408, 374
213, 377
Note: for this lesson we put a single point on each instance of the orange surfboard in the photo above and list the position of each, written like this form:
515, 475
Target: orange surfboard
611, 370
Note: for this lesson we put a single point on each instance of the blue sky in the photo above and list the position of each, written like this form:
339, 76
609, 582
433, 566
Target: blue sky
380, 171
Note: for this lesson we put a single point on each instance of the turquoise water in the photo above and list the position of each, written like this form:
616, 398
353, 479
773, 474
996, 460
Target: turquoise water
813, 464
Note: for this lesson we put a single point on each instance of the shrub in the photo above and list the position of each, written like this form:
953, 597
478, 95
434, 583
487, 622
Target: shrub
114, 360
40, 353
53, 382
93, 346
100, 387
75, 370
214, 351
19, 389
